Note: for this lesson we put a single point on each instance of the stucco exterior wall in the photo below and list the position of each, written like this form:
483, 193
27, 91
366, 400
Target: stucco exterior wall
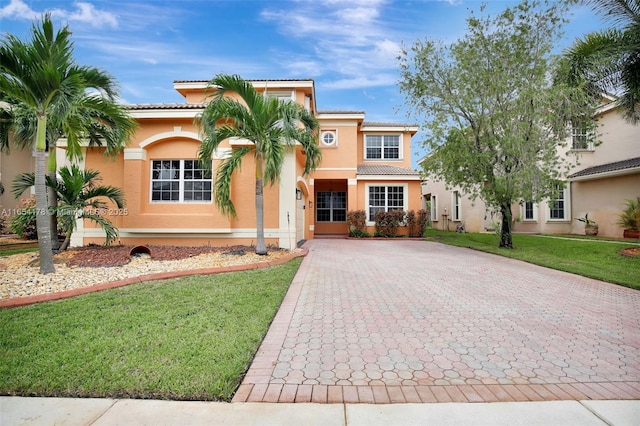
12, 164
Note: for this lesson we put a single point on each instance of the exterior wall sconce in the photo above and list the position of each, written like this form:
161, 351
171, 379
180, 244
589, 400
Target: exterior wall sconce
298, 194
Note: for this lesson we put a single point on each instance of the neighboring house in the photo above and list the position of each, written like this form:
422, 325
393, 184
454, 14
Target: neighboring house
18, 161
365, 166
606, 175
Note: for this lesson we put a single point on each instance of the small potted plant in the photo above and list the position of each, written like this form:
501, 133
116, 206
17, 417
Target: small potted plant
629, 219
590, 226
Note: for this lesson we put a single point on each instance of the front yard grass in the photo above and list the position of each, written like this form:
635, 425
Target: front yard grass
189, 338
594, 259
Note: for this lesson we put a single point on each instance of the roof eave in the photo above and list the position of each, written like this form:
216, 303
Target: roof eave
604, 175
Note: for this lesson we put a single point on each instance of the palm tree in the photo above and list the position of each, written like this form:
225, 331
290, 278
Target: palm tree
609, 61
40, 83
80, 197
272, 125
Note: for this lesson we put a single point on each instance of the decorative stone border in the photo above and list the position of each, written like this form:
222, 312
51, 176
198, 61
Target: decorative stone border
29, 300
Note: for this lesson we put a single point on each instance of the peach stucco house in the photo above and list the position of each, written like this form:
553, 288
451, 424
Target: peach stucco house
605, 176
365, 165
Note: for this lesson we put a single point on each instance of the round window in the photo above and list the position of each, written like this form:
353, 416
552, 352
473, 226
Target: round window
328, 138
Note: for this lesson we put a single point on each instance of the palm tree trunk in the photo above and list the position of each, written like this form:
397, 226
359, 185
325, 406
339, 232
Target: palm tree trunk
52, 201
52, 198
42, 213
65, 243
261, 247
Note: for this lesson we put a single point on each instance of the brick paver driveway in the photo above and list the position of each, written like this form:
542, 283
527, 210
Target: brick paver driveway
413, 321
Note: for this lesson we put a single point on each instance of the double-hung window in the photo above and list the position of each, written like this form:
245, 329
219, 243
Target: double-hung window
179, 181
382, 147
456, 206
434, 209
331, 206
581, 137
385, 198
528, 211
559, 203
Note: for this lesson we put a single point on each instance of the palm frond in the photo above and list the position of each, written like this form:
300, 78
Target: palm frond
224, 174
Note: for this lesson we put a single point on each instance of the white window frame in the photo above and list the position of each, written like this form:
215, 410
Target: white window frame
333, 132
456, 201
434, 208
382, 157
580, 135
523, 211
566, 192
181, 187
286, 95
405, 197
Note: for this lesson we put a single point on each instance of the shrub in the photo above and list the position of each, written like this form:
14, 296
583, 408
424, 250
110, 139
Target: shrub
630, 216
387, 223
24, 222
357, 221
359, 233
4, 223
412, 223
423, 221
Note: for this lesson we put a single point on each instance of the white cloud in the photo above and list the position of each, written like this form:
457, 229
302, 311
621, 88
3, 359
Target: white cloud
352, 43
84, 13
17, 9
87, 13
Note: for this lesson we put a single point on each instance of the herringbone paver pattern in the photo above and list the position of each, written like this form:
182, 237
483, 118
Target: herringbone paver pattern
412, 321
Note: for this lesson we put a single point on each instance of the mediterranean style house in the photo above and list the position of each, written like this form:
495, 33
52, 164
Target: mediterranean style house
604, 177
365, 166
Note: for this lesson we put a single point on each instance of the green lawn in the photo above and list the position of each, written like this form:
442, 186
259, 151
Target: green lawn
189, 338
595, 259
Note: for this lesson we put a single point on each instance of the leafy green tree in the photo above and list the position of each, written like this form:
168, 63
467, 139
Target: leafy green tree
494, 121
609, 60
272, 126
45, 95
80, 197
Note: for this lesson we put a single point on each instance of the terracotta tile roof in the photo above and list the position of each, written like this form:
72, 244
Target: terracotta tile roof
165, 106
384, 169
609, 167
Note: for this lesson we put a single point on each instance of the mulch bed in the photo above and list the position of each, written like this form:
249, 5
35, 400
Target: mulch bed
98, 256
630, 251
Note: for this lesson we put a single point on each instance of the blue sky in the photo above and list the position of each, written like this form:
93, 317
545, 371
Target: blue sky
349, 47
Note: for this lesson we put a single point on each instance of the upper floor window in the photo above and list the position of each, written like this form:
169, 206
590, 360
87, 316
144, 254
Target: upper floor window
179, 181
382, 147
581, 138
329, 137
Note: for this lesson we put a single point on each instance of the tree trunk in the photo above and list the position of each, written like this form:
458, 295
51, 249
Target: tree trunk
65, 243
42, 213
52, 198
261, 247
42, 217
505, 228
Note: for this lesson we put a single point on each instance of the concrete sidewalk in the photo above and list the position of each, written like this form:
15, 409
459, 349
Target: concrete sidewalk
72, 411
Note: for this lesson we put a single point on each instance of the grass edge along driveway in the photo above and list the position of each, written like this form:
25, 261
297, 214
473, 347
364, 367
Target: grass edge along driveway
590, 258
189, 338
